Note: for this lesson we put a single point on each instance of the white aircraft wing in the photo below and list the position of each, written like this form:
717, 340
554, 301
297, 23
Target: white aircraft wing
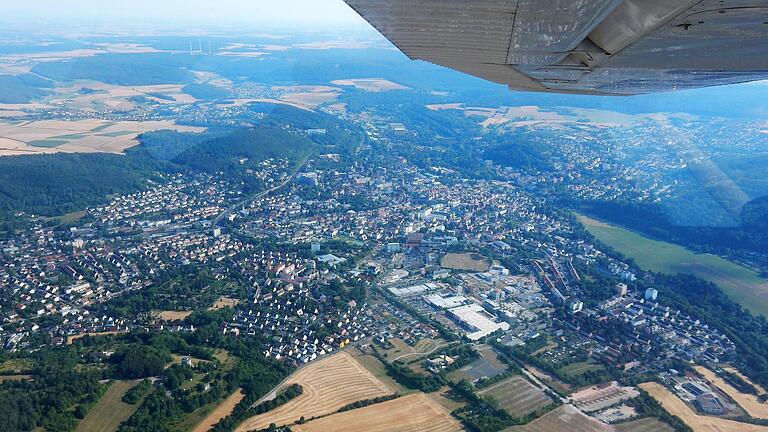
583, 46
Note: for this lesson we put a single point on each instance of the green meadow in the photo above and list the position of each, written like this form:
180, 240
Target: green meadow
742, 284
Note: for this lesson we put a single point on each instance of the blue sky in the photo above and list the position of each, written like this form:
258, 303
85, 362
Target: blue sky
315, 13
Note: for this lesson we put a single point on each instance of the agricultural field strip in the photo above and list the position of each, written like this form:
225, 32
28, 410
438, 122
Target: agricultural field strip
84, 136
748, 402
517, 396
697, 422
414, 412
329, 384
222, 410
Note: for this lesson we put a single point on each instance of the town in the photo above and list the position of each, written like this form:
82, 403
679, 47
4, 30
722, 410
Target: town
367, 252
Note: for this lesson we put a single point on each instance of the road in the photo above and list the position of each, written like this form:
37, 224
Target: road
541, 385
241, 203
443, 345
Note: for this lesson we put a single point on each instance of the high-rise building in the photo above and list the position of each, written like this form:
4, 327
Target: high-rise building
651, 294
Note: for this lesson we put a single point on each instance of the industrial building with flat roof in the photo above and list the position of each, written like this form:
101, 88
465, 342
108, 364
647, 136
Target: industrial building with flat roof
413, 290
446, 301
475, 321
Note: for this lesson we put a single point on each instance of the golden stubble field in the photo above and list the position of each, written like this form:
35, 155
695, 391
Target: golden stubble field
77, 136
329, 384
698, 423
749, 402
414, 412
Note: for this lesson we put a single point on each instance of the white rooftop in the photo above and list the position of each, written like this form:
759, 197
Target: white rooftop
472, 315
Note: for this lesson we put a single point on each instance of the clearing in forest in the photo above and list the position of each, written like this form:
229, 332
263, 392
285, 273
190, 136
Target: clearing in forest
110, 410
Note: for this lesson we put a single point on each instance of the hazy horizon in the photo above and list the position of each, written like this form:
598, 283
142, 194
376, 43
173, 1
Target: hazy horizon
297, 14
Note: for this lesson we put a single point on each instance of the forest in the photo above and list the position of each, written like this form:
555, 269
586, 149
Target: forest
65, 381
752, 234
57, 184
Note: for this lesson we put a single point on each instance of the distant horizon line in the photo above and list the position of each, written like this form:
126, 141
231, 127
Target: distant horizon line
38, 24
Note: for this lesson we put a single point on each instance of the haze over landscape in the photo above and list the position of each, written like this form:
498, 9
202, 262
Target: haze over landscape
294, 14
255, 215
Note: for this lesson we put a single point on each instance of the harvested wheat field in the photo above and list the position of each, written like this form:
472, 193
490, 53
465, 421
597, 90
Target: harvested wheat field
698, 423
309, 100
221, 411
760, 389
749, 402
81, 136
328, 384
415, 412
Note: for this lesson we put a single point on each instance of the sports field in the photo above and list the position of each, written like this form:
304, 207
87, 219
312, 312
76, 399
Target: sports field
329, 384
465, 261
415, 412
110, 410
742, 285
171, 315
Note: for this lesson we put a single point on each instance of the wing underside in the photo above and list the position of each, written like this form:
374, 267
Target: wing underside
582, 46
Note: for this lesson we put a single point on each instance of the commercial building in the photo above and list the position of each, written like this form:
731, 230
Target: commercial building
475, 321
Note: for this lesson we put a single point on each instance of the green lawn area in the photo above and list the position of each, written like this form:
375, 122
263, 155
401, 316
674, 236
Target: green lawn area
72, 217
116, 134
188, 421
48, 143
103, 126
110, 410
70, 136
377, 369
580, 368
16, 365
742, 284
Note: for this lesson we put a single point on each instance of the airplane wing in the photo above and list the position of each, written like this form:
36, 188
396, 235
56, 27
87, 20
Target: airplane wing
583, 46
